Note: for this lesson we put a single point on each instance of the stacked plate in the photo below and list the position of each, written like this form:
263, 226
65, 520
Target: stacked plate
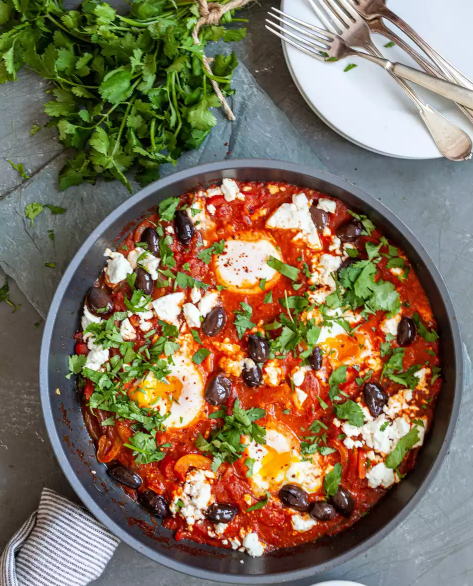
364, 104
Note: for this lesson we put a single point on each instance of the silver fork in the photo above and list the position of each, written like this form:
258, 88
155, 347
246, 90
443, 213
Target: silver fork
452, 142
377, 26
372, 9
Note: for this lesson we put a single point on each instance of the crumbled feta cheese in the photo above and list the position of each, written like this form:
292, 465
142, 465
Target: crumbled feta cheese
389, 326
350, 444
149, 262
379, 434
397, 271
231, 366
327, 205
335, 246
89, 318
235, 542
397, 403
230, 190
298, 375
220, 528
421, 431
145, 325
302, 522
97, 355
296, 216
127, 331
208, 302
380, 475
169, 229
253, 545
422, 376
213, 191
299, 397
168, 307
273, 374
117, 267
196, 496
192, 315
196, 295
211, 209
327, 264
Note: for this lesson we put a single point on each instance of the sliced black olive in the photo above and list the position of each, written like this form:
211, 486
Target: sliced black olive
406, 331
221, 513
144, 281
184, 227
315, 358
319, 217
346, 263
350, 231
218, 390
375, 398
293, 496
322, 511
343, 502
214, 322
258, 348
251, 374
154, 503
125, 476
152, 240
99, 302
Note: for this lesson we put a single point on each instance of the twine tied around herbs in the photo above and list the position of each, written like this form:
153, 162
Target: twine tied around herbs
210, 14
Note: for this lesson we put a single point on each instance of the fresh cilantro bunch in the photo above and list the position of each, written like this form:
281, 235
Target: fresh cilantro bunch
129, 91
224, 443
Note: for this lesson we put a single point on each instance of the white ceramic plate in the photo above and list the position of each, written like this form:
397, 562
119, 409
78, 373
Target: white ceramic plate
364, 104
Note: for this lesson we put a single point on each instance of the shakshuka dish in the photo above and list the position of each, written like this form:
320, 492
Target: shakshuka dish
257, 365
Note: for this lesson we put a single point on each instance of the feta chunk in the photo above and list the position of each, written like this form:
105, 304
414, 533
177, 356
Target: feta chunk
296, 216
196, 496
168, 307
273, 374
299, 397
327, 264
379, 434
389, 326
149, 262
302, 522
213, 191
192, 315
422, 376
97, 355
211, 209
208, 302
230, 190
253, 545
380, 475
127, 331
350, 444
335, 246
145, 325
89, 318
196, 295
117, 267
327, 205
298, 375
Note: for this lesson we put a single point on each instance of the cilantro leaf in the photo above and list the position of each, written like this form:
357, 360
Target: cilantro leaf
32, 210
428, 335
145, 449
56, 210
205, 255
242, 321
167, 208
332, 480
200, 355
4, 296
20, 168
405, 444
260, 504
287, 270
350, 411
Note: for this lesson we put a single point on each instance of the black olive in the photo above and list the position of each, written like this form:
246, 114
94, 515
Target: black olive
125, 476
406, 331
144, 281
99, 302
346, 263
218, 390
350, 231
214, 322
152, 240
251, 374
154, 503
315, 358
319, 217
184, 227
343, 502
293, 496
322, 511
258, 348
221, 513
375, 398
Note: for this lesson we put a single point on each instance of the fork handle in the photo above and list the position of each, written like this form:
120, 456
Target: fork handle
445, 88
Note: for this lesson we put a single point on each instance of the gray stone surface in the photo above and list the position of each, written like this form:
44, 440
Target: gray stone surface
433, 546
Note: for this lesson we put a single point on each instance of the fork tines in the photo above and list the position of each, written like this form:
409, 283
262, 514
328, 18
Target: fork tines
315, 45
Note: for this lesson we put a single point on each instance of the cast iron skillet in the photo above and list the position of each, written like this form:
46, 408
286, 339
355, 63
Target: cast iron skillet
107, 501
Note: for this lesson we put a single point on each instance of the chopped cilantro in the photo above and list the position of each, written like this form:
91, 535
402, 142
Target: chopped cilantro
428, 335
332, 480
200, 355
350, 411
167, 208
405, 444
260, 504
205, 255
242, 321
287, 270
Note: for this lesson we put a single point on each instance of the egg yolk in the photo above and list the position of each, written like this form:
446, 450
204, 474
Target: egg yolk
273, 463
149, 391
343, 348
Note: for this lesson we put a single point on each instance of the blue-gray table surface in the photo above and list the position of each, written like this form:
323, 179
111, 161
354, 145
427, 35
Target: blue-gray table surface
434, 198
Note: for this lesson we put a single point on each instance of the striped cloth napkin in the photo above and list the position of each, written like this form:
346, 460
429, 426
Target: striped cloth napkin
61, 544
